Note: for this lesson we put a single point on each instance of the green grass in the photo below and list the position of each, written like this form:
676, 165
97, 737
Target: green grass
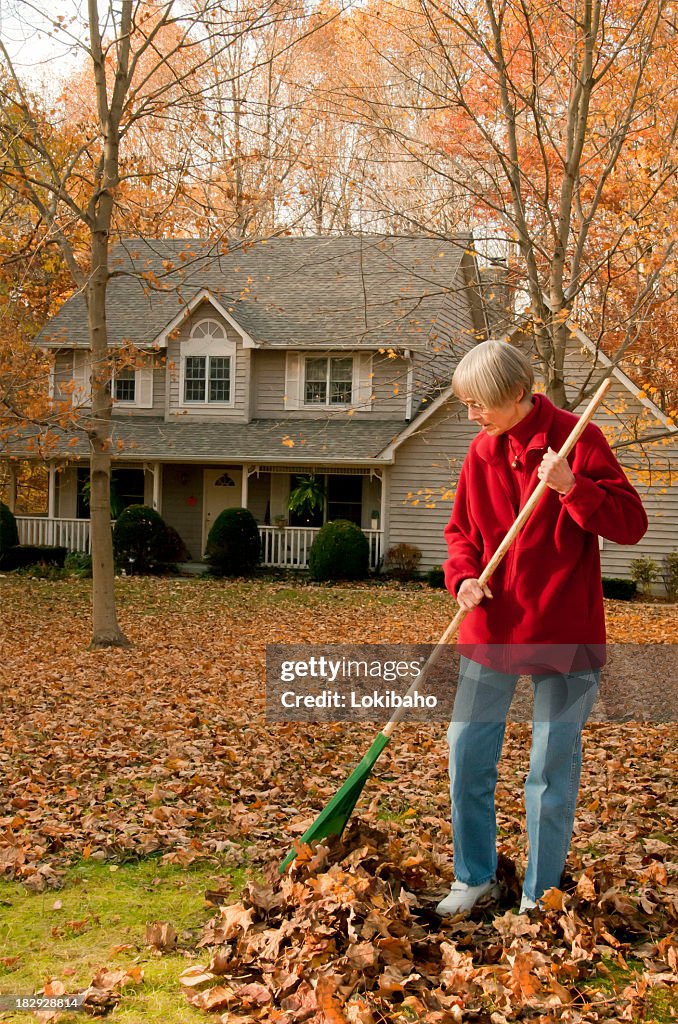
109, 906
661, 1003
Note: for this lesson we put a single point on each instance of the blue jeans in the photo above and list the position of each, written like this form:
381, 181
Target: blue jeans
562, 704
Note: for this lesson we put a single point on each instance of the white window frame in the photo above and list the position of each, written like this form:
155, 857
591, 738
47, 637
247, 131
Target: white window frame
362, 391
327, 404
125, 401
143, 388
204, 345
82, 370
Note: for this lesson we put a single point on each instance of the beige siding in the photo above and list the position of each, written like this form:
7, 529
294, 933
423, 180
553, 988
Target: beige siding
240, 382
160, 377
371, 500
421, 483
67, 492
268, 384
159, 388
659, 493
181, 484
389, 383
258, 496
652, 469
280, 493
428, 463
63, 371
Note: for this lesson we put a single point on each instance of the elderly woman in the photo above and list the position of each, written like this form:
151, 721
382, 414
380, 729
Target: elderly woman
542, 613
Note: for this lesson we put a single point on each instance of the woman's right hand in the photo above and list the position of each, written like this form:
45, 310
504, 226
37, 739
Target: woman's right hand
471, 593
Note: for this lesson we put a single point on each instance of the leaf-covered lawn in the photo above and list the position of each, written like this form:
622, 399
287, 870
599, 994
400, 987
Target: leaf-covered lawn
164, 749
108, 915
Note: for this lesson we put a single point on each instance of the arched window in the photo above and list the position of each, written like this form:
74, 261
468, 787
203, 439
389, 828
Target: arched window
207, 365
208, 330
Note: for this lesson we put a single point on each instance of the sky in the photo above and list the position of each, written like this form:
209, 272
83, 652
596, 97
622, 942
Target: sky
38, 52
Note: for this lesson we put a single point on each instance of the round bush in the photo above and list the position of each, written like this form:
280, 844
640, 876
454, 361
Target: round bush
9, 534
173, 548
619, 589
138, 539
233, 545
340, 552
435, 577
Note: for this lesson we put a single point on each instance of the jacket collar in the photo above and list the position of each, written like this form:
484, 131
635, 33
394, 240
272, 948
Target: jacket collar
530, 432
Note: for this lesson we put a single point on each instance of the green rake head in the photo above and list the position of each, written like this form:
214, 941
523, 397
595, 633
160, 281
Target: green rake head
332, 819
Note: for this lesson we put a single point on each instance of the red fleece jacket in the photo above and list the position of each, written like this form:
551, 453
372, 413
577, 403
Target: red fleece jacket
548, 588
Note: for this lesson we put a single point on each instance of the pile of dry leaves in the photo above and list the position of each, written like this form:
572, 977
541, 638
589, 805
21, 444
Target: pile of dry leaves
349, 934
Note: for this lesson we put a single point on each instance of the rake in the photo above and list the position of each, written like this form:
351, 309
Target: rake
333, 818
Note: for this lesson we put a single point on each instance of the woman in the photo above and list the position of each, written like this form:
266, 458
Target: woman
542, 613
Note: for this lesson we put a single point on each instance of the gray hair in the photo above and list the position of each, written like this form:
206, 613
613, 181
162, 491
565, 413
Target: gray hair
492, 374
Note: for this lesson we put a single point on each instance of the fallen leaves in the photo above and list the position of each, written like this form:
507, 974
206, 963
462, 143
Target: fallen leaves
165, 748
160, 935
349, 934
100, 997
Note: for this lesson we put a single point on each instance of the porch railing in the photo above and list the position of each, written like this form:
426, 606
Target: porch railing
289, 546
281, 547
72, 534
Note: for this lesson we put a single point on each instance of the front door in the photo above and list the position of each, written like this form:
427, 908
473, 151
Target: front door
223, 489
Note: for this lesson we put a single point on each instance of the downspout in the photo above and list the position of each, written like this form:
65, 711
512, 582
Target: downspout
410, 385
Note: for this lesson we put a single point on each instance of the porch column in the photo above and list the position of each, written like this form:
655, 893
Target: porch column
11, 487
157, 486
383, 504
245, 481
51, 503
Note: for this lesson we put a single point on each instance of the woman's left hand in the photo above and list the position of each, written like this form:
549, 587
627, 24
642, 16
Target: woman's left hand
556, 471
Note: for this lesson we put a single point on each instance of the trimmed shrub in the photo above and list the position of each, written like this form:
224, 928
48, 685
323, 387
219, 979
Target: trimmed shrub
173, 547
78, 563
618, 589
402, 561
9, 534
340, 551
644, 571
670, 575
435, 577
233, 545
138, 538
22, 555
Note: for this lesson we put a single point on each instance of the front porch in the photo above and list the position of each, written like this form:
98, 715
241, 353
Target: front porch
190, 496
282, 547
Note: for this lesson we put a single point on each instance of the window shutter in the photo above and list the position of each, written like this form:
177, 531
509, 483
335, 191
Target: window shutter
362, 382
294, 368
144, 387
82, 371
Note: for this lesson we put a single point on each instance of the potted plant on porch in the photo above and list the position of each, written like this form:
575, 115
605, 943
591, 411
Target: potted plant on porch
307, 497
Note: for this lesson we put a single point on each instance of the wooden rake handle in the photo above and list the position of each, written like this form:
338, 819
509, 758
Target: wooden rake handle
487, 572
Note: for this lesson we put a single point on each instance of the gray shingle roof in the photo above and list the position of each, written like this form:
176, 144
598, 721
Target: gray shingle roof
372, 291
329, 440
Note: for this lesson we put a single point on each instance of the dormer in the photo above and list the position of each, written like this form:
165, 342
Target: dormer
207, 367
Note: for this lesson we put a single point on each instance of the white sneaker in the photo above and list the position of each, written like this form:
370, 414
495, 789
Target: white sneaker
528, 904
463, 897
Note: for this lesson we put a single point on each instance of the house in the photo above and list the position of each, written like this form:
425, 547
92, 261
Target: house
276, 360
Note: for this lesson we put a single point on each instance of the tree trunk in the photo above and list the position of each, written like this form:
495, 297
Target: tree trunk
106, 631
